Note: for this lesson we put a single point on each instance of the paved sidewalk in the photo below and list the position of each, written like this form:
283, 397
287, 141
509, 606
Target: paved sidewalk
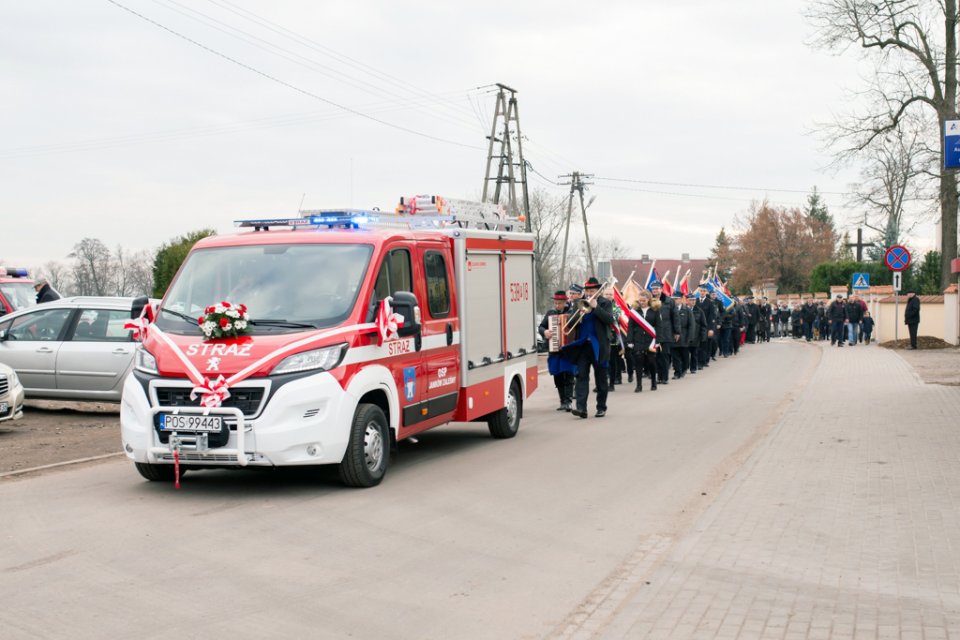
844, 523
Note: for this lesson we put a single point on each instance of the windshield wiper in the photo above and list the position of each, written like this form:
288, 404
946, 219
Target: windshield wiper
184, 316
273, 322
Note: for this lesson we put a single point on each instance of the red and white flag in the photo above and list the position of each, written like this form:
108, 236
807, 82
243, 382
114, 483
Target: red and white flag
637, 317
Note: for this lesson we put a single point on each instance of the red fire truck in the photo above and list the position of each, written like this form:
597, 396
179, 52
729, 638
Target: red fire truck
362, 329
16, 290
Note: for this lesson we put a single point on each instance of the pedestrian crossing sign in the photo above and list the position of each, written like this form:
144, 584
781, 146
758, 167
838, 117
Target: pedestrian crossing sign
861, 281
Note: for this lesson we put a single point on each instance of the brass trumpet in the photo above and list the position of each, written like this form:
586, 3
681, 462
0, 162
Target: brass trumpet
584, 309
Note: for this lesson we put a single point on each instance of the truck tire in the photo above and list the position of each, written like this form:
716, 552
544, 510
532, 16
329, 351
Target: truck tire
506, 422
368, 451
157, 472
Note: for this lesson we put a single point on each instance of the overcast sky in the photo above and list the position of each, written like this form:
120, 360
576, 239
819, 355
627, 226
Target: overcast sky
115, 128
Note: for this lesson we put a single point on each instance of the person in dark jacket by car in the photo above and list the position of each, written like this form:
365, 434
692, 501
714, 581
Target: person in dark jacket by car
808, 315
911, 316
44, 292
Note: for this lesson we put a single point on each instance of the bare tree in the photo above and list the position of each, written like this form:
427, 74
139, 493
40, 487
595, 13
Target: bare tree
139, 273
59, 276
92, 268
893, 186
916, 71
547, 219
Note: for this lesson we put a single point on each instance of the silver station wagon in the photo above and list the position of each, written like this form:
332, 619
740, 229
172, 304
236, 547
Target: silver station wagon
70, 349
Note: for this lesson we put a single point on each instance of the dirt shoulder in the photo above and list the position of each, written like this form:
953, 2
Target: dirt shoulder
934, 366
52, 432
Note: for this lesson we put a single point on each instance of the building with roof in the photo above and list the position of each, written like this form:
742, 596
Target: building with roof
640, 267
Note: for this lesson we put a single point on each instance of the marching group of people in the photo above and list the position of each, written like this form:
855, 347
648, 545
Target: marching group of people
841, 321
665, 335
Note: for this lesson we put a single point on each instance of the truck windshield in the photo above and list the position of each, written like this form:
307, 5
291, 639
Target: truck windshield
285, 287
20, 295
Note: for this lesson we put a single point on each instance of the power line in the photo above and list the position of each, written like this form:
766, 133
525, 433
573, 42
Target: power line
292, 86
715, 186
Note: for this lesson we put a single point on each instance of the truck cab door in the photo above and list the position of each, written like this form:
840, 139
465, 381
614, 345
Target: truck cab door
441, 333
403, 356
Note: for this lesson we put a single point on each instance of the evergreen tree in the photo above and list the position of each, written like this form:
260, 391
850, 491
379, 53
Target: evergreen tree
817, 209
721, 255
170, 256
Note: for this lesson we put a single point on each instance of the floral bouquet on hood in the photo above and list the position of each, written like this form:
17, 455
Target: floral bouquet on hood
224, 320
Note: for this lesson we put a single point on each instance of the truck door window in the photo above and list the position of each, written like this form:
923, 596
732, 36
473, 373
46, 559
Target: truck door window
395, 274
438, 289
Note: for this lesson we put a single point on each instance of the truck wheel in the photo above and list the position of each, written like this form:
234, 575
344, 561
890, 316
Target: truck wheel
506, 422
368, 451
157, 472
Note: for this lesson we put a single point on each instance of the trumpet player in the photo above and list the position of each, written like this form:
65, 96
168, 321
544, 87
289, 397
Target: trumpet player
640, 343
558, 365
592, 347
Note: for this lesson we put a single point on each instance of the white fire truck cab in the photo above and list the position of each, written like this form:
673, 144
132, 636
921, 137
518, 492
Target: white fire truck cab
364, 329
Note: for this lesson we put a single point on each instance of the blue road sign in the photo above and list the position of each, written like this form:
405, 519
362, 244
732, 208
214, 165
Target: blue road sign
951, 144
861, 281
897, 258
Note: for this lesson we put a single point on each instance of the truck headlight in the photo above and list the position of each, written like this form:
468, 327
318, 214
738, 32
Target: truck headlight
144, 361
320, 359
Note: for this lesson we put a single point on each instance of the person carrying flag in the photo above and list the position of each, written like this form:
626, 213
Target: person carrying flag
592, 349
641, 343
562, 369
668, 330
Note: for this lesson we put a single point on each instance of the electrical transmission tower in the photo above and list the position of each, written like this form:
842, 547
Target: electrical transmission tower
577, 185
506, 125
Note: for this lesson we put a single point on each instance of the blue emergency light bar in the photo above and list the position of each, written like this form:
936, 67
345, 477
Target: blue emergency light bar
346, 218
14, 272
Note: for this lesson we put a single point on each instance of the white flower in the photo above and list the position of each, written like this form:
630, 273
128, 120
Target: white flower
208, 327
233, 313
218, 309
227, 327
240, 325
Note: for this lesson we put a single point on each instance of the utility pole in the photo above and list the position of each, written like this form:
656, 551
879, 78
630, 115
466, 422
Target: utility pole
860, 244
577, 185
508, 159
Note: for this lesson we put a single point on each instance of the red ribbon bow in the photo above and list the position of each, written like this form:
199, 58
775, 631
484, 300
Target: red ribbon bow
388, 322
214, 392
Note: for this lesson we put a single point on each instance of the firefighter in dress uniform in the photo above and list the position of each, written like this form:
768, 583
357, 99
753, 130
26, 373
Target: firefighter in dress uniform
560, 367
592, 348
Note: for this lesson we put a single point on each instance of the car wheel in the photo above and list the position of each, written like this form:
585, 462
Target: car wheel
368, 451
506, 422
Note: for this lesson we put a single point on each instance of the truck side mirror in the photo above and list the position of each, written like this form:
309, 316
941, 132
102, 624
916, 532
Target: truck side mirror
136, 308
405, 303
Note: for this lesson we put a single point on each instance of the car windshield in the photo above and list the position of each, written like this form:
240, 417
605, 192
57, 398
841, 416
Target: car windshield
285, 287
20, 295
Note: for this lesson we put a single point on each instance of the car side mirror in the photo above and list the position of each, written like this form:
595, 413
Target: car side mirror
3, 335
405, 303
136, 308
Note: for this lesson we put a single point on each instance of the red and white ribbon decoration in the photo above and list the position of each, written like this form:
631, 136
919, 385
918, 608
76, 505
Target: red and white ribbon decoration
387, 321
213, 392
141, 325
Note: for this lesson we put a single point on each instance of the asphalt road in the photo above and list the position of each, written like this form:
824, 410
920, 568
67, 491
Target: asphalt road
467, 537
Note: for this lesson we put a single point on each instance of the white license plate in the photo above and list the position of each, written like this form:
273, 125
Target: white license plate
186, 422
3, 407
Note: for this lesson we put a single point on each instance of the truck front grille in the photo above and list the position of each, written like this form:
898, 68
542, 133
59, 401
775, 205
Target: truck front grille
247, 399
4, 385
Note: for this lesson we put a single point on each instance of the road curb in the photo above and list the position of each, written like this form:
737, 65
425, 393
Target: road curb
19, 472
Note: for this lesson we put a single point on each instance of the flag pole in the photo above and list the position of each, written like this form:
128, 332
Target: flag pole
629, 278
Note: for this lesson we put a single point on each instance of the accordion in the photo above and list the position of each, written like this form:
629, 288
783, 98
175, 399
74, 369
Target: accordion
559, 338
